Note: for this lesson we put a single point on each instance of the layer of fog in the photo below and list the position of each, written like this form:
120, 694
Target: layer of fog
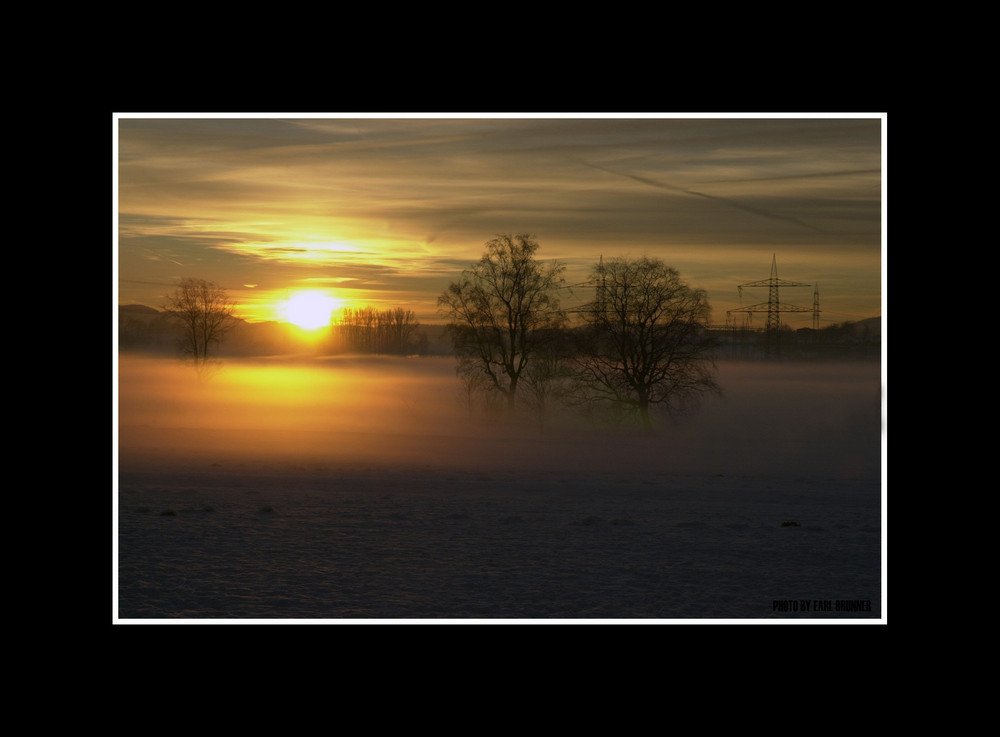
771, 418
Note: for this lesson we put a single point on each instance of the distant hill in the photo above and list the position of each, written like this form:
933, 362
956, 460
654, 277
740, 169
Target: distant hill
138, 312
145, 328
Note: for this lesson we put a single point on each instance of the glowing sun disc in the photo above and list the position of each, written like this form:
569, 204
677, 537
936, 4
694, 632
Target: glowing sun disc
310, 310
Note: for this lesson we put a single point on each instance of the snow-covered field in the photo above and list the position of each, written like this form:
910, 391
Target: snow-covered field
346, 490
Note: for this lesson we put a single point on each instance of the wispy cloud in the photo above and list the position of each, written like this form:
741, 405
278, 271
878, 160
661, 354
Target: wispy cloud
392, 202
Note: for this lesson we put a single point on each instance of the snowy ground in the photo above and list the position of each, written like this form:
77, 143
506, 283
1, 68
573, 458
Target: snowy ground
362, 490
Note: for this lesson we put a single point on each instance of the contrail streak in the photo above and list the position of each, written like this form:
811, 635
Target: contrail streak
722, 200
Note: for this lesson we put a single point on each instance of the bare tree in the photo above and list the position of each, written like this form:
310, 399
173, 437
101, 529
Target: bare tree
646, 342
502, 308
205, 314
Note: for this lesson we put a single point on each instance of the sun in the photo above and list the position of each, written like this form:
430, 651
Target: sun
310, 310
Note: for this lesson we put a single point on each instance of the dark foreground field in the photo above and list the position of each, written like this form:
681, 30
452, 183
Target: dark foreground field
364, 490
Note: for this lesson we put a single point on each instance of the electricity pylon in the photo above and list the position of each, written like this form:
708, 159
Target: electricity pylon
773, 307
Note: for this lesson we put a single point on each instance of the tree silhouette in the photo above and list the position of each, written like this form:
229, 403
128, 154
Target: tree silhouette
646, 342
205, 314
367, 330
501, 311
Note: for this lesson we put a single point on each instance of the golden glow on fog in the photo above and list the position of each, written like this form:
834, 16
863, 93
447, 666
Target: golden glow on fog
310, 310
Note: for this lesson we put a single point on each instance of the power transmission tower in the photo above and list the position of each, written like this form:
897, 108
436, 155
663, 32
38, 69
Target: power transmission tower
773, 307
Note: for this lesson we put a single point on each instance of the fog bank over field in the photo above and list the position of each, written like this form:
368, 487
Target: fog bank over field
798, 419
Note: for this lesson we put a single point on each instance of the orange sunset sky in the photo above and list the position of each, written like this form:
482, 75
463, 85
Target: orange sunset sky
386, 210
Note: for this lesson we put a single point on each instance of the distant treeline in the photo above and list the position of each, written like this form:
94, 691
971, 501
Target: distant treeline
378, 332
396, 331
851, 339
364, 330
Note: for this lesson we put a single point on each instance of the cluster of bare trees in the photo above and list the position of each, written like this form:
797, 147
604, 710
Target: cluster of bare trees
379, 332
642, 342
